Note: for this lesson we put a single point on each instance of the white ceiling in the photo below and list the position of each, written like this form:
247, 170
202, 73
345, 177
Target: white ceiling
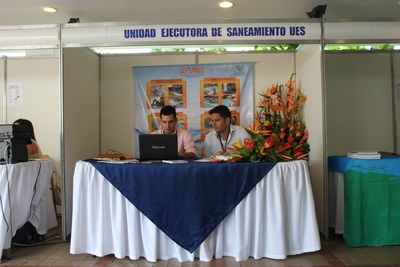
28, 12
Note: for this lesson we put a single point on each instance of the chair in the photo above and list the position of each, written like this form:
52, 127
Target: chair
55, 184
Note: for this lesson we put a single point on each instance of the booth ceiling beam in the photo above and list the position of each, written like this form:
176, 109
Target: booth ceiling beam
30, 37
253, 32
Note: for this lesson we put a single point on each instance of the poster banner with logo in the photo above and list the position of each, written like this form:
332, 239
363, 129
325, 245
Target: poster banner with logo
193, 90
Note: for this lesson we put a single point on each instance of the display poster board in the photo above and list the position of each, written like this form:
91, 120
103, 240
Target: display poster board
193, 90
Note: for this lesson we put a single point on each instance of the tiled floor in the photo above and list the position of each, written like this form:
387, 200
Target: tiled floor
333, 253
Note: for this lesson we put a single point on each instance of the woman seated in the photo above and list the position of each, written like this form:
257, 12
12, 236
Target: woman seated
34, 151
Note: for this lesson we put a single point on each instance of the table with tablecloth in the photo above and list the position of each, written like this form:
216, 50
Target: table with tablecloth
26, 196
364, 199
193, 210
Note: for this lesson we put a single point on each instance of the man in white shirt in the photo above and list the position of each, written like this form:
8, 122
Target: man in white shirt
168, 120
224, 134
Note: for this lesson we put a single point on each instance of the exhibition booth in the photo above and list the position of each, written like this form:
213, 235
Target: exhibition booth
81, 102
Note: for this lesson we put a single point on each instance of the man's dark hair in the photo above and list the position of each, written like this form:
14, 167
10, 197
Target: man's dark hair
221, 110
168, 110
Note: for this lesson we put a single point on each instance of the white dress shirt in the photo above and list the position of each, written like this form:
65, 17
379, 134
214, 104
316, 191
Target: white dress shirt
213, 143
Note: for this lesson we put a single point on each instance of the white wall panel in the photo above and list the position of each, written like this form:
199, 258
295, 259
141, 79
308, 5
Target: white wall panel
359, 106
309, 79
81, 117
40, 83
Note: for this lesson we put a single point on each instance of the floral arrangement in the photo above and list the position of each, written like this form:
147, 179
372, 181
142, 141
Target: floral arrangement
279, 134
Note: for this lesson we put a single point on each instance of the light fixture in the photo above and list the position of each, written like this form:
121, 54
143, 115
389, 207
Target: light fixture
13, 53
121, 50
48, 9
225, 4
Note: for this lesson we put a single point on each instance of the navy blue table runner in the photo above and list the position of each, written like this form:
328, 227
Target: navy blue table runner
186, 201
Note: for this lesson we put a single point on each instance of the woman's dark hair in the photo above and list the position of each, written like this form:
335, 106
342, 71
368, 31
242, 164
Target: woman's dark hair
30, 127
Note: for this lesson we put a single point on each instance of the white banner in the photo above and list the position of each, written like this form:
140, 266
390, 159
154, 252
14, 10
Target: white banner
80, 34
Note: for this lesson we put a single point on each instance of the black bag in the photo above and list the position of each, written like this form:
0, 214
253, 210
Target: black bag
27, 235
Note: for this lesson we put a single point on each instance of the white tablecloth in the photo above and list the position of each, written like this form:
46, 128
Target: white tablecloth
276, 219
336, 201
25, 196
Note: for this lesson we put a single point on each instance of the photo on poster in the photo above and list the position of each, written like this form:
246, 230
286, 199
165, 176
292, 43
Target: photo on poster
210, 89
156, 90
157, 102
165, 92
220, 91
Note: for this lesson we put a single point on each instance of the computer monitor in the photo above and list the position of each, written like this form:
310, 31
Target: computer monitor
158, 146
13, 141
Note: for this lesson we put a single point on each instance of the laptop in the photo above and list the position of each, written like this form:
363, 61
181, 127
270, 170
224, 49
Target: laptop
158, 146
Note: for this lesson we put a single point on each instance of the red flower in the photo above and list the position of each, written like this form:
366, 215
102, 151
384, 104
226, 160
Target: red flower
298, 153
285, 146
292, 127
268, 142
298, 148
248, 143
285, 158
305, 136
282, 135
290, 139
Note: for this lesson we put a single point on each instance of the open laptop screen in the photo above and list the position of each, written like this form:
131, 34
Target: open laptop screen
158, 146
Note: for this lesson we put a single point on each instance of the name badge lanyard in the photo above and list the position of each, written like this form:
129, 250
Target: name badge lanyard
226, 142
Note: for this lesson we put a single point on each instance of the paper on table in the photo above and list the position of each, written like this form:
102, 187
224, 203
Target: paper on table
117, 161
366, 152
177, 161
221, 158
364, 155
203, 160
